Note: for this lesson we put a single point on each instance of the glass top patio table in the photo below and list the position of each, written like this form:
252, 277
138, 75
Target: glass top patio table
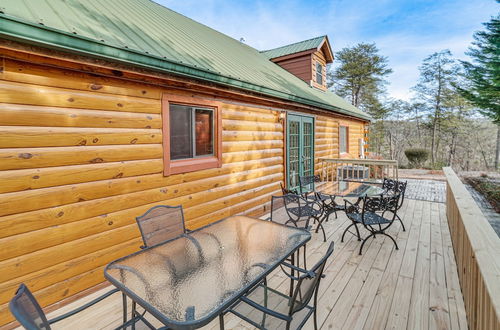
348, 188
188, 281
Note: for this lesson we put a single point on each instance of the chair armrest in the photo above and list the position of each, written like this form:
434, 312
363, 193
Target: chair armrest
350, 207
81, 308
300, 270
265, 310
309, 194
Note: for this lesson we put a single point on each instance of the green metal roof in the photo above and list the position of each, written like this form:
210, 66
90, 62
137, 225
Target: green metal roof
146, 34
297, 47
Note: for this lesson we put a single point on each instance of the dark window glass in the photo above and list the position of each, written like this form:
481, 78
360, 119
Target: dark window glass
204, 132
343, 139
319, 73
191, 132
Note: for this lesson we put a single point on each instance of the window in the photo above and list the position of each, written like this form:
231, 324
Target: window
191, 131
191, 134
343, 139
319, 73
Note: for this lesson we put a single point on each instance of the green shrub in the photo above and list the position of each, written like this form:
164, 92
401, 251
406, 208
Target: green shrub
417, 156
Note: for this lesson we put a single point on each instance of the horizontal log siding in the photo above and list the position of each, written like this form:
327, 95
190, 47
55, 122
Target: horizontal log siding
326, 139
81, 157
356, 132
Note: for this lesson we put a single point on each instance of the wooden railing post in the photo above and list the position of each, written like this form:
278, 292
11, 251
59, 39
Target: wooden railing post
477, 253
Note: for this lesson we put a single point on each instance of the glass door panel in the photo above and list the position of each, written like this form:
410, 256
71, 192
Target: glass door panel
300, 149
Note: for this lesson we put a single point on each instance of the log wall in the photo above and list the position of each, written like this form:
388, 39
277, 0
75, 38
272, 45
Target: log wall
81, 157
327, 138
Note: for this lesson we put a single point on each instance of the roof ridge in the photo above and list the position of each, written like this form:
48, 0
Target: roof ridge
295, 43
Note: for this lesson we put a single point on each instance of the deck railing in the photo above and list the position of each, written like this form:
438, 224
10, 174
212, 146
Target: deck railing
373, 169
477, 252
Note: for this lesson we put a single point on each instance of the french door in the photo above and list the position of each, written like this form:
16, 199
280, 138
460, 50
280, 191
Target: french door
300, 148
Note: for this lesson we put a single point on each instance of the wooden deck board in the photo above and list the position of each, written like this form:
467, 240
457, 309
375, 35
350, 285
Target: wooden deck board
415, 287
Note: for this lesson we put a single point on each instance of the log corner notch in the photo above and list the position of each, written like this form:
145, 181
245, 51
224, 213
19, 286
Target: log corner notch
477, 253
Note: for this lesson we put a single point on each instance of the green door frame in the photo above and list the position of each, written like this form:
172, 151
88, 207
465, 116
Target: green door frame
297, 145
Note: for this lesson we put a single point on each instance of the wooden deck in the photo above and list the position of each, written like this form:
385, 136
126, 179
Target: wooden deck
415, 287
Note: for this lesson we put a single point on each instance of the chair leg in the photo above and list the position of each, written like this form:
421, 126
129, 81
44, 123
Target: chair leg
124, 302
221, 321
345, 231
393, 240
133, 314
305, 264
357, 232
292, 273
364, 241
402, 224
320, 225
315, 319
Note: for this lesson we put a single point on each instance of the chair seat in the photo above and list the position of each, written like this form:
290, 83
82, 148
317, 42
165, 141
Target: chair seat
273, 300
370, 218
304, 211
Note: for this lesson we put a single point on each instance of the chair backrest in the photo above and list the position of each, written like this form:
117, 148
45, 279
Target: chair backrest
380, 203
287, 191
389, 184
298, 210
27, 311
373, 204
394, 186
161, 223
401, 190
305, 181
278, 210
309, 283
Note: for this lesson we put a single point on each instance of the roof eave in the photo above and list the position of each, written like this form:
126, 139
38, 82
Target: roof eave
15, 29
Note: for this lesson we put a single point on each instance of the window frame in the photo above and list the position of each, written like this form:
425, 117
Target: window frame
320, 73
197, 163
346, 140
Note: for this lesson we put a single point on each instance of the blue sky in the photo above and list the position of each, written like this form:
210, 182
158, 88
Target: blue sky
405, 31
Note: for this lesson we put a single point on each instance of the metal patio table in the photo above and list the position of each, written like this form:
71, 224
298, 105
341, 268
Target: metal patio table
344, 188
188, 281
348, 188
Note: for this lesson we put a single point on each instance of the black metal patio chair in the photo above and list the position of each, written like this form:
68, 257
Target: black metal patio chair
161, 223
372, 216
30, 315
396, 187
280, 206
300, 211
265, 307
327, 201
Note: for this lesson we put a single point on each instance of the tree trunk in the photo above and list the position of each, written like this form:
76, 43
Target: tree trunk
433, 139
497, 152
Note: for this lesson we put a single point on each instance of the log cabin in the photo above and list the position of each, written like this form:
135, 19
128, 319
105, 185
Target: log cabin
106, 111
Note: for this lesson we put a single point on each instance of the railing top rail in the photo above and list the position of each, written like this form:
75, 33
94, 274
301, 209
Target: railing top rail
355, 160
484, 242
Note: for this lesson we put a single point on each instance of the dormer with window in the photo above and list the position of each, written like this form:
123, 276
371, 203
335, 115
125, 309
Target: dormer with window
306, 59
